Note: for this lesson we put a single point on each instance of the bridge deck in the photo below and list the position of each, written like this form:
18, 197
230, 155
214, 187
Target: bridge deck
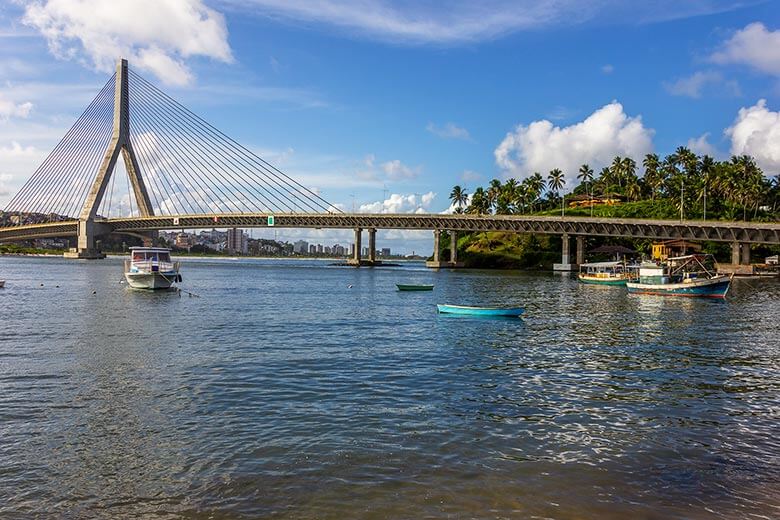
745, 232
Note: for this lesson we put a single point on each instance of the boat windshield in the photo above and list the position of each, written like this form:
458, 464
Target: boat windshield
154, 256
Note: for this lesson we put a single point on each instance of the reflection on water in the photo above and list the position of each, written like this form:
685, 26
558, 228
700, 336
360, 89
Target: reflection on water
298, 390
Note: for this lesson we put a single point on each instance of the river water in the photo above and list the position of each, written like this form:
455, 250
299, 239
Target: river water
292, 389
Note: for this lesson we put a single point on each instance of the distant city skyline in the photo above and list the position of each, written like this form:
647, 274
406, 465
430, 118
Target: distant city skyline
383, 107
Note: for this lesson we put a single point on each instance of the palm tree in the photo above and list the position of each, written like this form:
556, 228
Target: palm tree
586, 176
616, 168
555, 182
652, 176
707, 168
459, 198
479, 203
493, 191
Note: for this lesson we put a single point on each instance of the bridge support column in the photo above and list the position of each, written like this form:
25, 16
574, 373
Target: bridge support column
580, 250
740, 260
735, 253
745, 260
565, 264
85, 246
355, 260
372, 246
437, 262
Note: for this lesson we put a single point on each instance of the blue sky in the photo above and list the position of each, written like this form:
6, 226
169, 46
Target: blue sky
384, 106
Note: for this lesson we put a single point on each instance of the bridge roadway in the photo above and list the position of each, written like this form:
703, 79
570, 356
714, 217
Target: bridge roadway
734, 232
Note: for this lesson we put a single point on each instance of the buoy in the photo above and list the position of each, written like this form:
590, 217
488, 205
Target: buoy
57, 286
94, 292
41, 285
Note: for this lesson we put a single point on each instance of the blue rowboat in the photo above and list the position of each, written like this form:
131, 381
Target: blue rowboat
480, 311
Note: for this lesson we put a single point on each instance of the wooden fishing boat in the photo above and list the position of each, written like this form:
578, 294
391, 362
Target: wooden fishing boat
414, 287
151, 268
480, 311
607, 273
691, 275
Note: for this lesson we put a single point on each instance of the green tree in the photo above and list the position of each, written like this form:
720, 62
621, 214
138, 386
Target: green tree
585, 176
555, 182
459, 198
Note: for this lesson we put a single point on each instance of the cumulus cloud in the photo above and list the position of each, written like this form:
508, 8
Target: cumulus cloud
396, 170
449, 131
693, 85
754, 46
466, 21
756, 132
393, 170
470, 176
398, 203
154, 35
701, 145
15, 159
9, 109
541, 146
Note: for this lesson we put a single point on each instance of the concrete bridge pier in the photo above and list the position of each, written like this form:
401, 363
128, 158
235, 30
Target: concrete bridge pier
437, 263
355, 260
740, 260
566, 264
371, 246
580, 249
85, 246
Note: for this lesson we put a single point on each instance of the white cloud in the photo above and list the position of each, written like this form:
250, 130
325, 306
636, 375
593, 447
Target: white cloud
154, 35
396, 170
754, 46
15, 160
398, 203
449, 131
9, 109
756, 132
541, 146
693, 85
701, 146
470, 176
464, 21
608, 68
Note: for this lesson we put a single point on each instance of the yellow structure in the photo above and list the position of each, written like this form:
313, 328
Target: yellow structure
663, 250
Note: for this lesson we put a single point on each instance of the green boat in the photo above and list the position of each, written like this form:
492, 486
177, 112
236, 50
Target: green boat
414, 287
607, 273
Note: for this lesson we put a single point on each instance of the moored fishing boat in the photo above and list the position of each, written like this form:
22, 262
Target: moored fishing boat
151, 268
691, 275
414, 287
606, 273
480, 311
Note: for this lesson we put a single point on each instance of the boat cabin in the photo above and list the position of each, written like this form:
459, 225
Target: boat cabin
150, 259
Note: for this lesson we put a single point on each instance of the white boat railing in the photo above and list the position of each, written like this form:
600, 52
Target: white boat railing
145, 266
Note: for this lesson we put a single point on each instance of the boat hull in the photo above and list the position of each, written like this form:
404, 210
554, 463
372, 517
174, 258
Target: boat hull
152, 281
480, 311
709, 288
602, 280
411, 287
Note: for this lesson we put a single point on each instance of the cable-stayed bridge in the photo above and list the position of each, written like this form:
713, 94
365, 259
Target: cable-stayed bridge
181, 172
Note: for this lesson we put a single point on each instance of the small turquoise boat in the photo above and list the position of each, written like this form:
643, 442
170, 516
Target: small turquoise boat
414, 287
480, 311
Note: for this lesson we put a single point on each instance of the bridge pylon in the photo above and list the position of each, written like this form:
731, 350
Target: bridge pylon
120, 142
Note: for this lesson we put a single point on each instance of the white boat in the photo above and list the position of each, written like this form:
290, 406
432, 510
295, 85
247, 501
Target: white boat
151, 268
